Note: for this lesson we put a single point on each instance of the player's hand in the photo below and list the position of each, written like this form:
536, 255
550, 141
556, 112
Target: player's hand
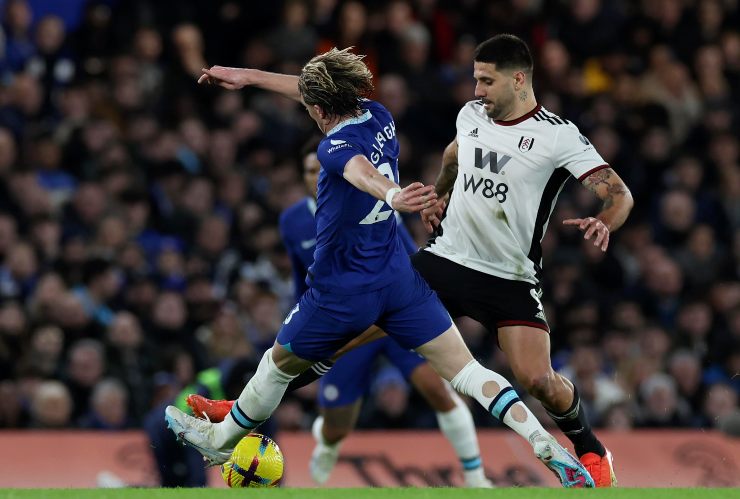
592, 227
431, 217
414, 197
230, 78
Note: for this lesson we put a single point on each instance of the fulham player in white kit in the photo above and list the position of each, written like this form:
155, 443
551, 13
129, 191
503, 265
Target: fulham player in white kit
504, 170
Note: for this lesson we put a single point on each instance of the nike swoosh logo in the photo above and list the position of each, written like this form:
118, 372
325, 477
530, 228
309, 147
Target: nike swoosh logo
336, 142
309, 243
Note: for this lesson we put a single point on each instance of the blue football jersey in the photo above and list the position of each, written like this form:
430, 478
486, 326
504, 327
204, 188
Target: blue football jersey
357, 246
298, 230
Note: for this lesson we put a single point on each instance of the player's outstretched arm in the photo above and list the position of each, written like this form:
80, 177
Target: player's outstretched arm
362, 174
236, 78
618, 203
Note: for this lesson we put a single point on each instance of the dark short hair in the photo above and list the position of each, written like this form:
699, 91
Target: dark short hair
506, 52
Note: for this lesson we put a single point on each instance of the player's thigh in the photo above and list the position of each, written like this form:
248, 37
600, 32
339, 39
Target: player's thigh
287, 361
322, 323
446, 353
527, 349
412, 313
349, 378
523, 332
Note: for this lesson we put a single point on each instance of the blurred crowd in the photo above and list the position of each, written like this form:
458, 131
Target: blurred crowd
138, 243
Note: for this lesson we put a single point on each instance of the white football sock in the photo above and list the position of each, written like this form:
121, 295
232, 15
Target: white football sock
257, 402
317, 430
459, 428
496, 395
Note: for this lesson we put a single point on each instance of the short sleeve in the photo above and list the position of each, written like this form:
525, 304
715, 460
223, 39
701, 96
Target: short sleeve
576, 153
334, 154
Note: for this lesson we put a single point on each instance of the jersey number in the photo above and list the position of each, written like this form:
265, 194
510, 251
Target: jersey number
375, 214
292, 313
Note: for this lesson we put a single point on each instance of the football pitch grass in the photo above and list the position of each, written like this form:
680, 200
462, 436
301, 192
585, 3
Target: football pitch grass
368, 493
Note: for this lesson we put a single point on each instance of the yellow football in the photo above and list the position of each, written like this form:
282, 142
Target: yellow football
256, 462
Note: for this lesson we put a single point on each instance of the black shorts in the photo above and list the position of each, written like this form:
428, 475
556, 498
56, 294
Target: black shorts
490, 300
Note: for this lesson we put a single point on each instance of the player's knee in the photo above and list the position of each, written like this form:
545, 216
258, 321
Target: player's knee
540, 385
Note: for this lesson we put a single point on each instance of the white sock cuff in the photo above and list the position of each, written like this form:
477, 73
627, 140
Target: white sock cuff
461, 380
274, 371
459, 428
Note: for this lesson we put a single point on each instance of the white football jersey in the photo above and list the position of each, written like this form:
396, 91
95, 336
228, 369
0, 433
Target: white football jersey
509, 176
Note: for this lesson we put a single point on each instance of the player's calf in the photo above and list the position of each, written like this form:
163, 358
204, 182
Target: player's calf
574, 423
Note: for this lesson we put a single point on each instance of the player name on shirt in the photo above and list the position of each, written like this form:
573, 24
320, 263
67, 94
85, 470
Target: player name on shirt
389, 132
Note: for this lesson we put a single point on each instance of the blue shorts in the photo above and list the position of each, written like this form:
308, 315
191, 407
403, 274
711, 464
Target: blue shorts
350, 378
322, 323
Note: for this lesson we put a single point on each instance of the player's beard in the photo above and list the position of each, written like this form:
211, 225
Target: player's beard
501, 107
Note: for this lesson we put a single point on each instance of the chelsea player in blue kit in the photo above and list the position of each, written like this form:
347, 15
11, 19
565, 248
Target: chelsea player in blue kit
344, 385
361, 274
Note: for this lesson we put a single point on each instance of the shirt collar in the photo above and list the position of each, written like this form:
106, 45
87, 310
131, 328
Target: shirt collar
352, 121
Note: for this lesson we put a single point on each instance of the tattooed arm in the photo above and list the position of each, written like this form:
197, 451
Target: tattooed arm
616, 196
432, 216
448, 174
618, 202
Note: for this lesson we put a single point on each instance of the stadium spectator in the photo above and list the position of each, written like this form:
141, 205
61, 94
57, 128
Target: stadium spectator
662, 406
108, 407
19, 46
720, 402
131, 359
51, 406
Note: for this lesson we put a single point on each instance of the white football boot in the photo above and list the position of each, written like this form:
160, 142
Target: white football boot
568, 469
324, 456
475, 479
196, 433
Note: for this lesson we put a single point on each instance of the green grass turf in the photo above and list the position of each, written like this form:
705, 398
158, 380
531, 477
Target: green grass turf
410, 493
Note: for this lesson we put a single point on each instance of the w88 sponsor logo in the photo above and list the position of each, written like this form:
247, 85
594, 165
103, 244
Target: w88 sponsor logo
486, 187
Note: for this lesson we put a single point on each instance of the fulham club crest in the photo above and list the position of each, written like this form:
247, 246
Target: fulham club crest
526, 143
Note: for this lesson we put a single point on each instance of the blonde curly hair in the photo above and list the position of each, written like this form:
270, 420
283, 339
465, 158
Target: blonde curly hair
336, 81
